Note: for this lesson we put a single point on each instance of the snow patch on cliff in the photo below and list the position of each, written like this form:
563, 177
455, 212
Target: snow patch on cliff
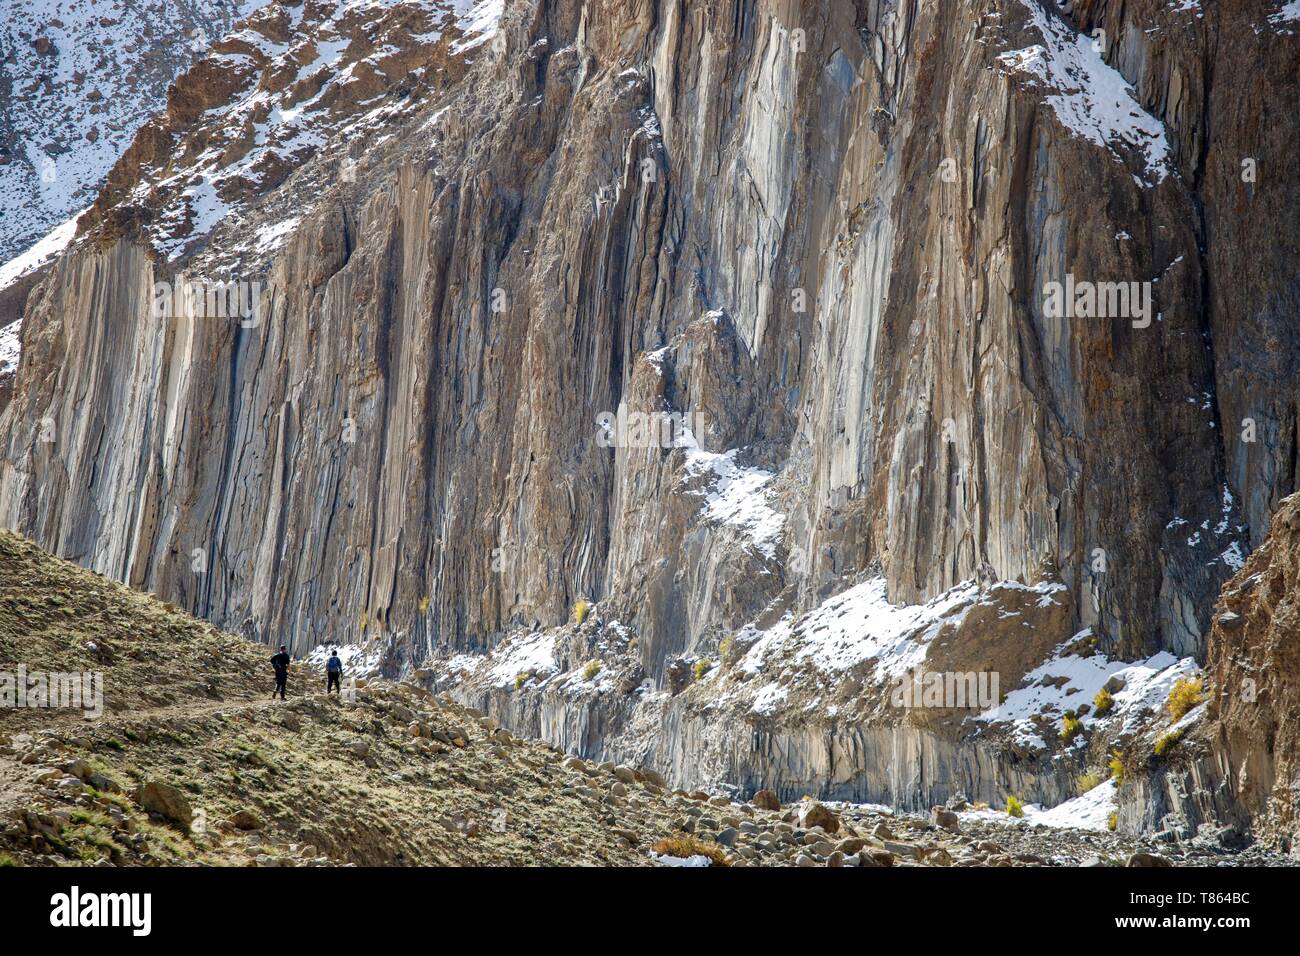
83, 77
478, 21
1067, 680
1090, 98
859, 626
39, 253
526, 653
1290, 13
10, 347
856, 626
733, 494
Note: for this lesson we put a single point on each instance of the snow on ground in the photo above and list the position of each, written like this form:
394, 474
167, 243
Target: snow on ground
527, 652
698, 859
1089, 97
734, 495
860, 625
76, 107
357, 661
1089, 811
1146, 688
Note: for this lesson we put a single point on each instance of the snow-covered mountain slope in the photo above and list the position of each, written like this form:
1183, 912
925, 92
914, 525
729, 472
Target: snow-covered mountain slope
294, 80
78, 78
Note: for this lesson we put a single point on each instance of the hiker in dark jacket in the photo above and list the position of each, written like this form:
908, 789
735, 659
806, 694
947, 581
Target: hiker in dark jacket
333, 674
281, 664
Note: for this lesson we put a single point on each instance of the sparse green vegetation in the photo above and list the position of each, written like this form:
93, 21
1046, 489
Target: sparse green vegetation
686, 846
1116, 765
7, 860
1185, 695
1167, 742
1088, 781
580, 611
725, 647
1015, 807
91, 817
1112, 823
702, 667
590, 671
1103, 702
1071, 727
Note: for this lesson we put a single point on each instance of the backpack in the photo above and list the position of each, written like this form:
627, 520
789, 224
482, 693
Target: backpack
334, 665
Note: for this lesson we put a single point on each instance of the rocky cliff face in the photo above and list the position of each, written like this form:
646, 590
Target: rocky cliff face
825, 235
1253, 663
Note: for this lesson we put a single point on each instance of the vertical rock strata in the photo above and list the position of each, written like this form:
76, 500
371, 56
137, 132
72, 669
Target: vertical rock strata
826, 228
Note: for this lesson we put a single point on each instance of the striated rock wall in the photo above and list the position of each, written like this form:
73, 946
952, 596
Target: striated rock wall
1254, 664
827, 227
901, 765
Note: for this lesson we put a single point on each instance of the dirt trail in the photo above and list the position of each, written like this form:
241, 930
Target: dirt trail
17, 789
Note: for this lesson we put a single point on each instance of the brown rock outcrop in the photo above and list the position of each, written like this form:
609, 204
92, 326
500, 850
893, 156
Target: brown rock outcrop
828, 229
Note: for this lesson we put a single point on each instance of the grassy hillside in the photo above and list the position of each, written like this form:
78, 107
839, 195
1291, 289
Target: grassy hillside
396, 777
192, 762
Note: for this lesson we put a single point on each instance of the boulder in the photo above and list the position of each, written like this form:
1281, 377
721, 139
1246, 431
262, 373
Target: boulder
937, 856
766, 800
77, 768
944, 818
104, 784
245, 820
164, 800
653, 776
814, 814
